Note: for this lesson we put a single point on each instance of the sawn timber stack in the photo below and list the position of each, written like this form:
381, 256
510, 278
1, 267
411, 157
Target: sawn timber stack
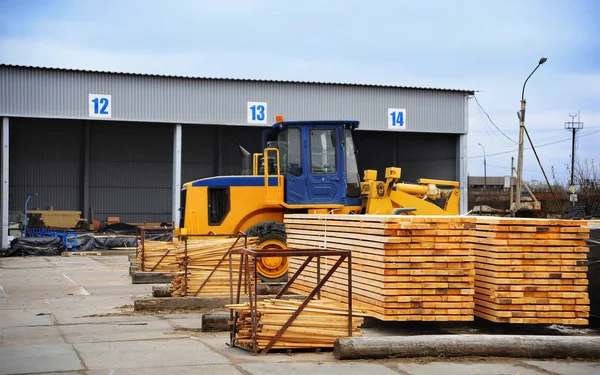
404, 268
159, 256
531, 271
208, 268
317, 326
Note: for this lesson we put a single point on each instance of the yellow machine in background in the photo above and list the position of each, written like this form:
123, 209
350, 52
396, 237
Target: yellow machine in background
306, 167
392, 198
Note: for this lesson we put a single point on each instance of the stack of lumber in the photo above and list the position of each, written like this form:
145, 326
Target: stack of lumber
54, 219
208, 268
317, 326
160, 256
531, 271
404, 268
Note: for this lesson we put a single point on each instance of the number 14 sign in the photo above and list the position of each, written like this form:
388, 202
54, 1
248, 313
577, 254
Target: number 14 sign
396, 118
100, 106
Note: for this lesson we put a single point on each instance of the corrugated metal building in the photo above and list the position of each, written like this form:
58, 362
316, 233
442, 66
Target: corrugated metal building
123, 143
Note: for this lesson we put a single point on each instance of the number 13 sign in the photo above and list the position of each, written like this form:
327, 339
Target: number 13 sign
100, 105
257, 113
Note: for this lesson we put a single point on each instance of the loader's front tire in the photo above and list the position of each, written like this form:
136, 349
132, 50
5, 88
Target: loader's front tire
272, 268
271, 235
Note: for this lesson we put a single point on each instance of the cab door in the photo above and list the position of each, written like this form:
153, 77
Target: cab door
326, 167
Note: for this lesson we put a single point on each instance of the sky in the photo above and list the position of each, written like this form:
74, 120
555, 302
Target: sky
488, 46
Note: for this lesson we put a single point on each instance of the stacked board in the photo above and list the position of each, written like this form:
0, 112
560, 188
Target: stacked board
317, 326
207, 271
531, 271
404, 268
159, 256
54, 219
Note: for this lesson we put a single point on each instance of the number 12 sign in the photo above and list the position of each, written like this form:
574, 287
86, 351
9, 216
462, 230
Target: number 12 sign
396, 118
100, 105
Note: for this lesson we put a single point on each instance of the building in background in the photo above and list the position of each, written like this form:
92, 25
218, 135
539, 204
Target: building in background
121, 145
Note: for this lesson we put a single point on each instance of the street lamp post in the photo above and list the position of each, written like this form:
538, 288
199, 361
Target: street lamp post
521, 115
484, 174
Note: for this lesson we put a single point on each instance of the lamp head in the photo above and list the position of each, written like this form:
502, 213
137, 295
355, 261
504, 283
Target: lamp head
542, 60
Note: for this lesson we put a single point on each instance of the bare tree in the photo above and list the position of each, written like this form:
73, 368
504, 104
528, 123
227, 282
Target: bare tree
587, 178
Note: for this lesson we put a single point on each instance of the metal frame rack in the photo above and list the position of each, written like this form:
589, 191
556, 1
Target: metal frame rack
251, 285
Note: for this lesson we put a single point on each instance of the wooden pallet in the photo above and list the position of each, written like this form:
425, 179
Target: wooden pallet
80, 253
403, 267
531, 271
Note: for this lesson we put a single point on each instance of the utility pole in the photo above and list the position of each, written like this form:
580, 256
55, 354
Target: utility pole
512, 169
521, 115
573, 126
484, 175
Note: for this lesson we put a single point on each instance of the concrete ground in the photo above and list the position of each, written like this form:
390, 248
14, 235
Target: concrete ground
73, 315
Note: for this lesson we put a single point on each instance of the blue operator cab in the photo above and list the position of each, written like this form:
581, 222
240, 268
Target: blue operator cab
317, 160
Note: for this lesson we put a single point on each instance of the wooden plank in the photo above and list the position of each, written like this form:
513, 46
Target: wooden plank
482, 259
520, 255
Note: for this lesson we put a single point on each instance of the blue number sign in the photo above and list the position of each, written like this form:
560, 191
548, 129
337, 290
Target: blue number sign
396, 118
99, 106
257, 113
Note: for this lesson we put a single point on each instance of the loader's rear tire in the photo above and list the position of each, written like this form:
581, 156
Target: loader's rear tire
271, 235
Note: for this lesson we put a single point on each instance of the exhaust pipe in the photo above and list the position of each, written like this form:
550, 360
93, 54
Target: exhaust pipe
246, 161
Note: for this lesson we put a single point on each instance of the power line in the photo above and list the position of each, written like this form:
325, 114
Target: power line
505, 167
490, 131
536, 130
528, 148
489, 118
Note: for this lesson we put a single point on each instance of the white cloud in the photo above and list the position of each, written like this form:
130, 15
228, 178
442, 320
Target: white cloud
486, 46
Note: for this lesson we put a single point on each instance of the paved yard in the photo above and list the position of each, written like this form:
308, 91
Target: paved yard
71, 315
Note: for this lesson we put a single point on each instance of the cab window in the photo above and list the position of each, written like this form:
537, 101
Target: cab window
323, 158
289, 143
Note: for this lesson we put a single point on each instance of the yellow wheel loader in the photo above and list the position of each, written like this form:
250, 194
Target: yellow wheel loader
306, 167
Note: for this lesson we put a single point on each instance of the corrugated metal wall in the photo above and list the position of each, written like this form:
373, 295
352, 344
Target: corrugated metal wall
37, 92
45, 158
131, 171
198, 157
248, 137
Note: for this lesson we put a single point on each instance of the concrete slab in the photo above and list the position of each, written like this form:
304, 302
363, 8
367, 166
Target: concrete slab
167, 303
203, 369
316, 368
119, 331
147, 354
237, 355
182, 315
17, 263
38, 358
12, 302
193, 324
151, 278
437, 368
44, 335
112, 290
88, 316
25, 318
568, 368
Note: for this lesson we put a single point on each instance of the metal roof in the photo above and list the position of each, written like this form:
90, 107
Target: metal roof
470, 92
